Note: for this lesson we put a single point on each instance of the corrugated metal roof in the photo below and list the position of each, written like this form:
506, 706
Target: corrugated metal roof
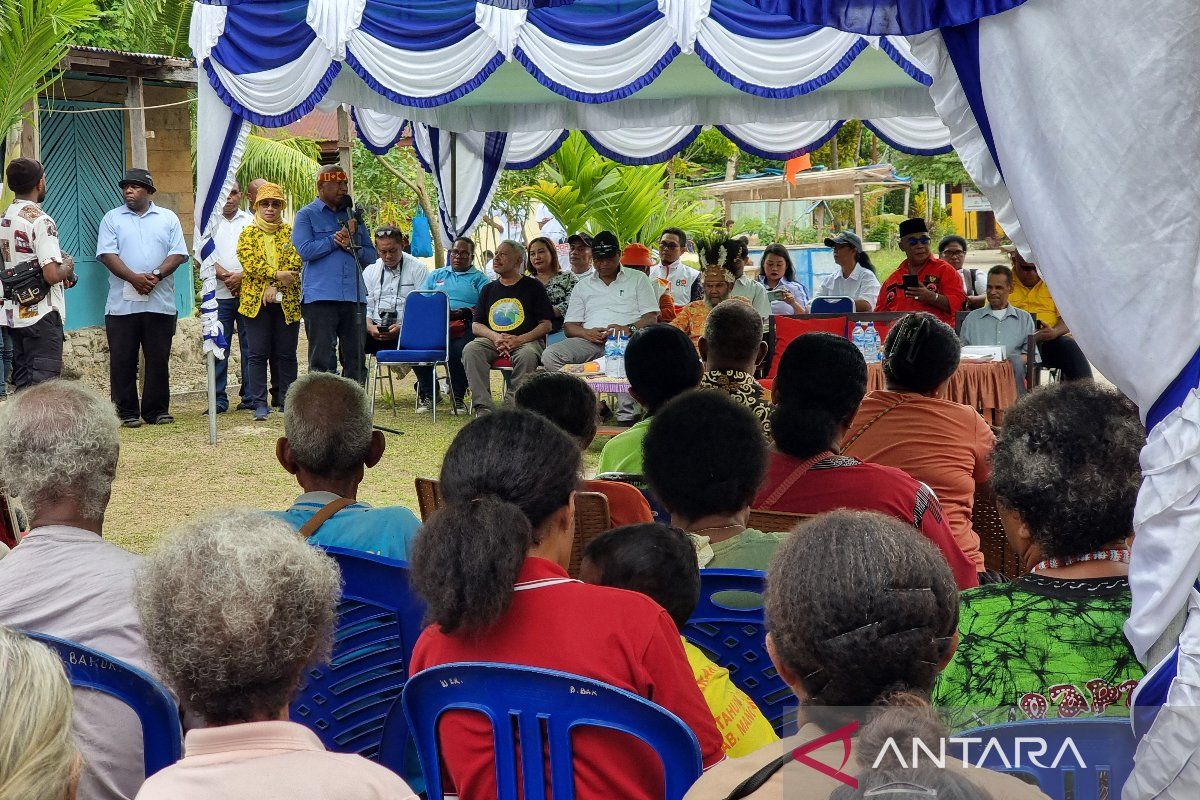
145, 58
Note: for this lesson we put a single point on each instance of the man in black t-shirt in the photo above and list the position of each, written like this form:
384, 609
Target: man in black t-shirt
512, 318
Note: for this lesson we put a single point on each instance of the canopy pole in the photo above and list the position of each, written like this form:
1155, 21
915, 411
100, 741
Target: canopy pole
453, 184
212, 397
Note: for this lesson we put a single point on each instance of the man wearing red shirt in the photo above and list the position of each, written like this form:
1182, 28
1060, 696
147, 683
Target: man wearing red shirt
938, 289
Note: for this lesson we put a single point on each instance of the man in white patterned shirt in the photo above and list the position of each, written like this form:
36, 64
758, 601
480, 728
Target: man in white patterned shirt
27, 232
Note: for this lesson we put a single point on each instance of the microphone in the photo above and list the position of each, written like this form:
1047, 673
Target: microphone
352, 220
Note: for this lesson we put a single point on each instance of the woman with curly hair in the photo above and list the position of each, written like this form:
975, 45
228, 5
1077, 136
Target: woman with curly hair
234, 608
860, 618
270, 297
1066, 475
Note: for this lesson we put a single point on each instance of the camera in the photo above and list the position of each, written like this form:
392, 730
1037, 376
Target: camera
387, 318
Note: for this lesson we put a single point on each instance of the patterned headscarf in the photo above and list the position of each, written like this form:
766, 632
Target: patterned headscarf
268, 191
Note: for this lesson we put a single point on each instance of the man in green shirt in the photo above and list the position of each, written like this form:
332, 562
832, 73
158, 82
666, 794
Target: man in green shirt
660, 363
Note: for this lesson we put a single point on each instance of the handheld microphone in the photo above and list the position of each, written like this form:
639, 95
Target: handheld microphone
353, 217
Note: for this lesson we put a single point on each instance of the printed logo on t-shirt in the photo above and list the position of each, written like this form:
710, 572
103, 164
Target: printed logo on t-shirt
506, 314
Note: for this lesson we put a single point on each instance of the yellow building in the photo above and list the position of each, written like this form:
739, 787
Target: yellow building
972, 214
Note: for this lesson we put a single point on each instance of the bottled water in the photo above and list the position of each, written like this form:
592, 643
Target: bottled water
610, 355
622, 342
872, 351
858, 337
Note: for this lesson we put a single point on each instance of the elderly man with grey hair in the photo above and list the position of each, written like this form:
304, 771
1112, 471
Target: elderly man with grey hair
513, 317
328, 444
235, 607
58, 454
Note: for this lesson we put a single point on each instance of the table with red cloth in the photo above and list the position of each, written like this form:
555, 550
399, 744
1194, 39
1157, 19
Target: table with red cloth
986, 386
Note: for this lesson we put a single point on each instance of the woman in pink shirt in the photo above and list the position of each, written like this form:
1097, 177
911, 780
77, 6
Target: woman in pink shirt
233, 609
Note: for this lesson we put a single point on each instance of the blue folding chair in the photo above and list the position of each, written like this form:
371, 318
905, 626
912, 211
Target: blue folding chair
544, 706
728, 625
162, 737
424, 340
1104, 745
831, 305
379, 619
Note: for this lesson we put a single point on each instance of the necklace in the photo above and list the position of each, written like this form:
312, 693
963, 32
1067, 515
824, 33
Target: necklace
1120, 555
719, 528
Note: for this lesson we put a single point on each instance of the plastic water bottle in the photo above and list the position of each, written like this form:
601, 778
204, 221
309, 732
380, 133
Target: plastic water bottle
610, 355
858, 337
873, 350
622, 342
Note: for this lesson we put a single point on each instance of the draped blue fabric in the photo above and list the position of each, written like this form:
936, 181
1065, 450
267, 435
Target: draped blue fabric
962, 44
262, 36
916, 73
743, 18
595, 22
1171, 399
881, 17
416, 26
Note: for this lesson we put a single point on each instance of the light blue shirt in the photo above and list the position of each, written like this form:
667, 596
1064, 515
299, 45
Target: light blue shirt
1010, 331
389, 531
142, 242
462, 287
330, 273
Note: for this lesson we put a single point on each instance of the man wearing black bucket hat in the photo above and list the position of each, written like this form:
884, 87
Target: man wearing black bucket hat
141, 244
922, 282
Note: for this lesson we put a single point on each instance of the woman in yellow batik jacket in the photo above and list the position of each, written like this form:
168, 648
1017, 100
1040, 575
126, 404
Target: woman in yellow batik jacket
270, 297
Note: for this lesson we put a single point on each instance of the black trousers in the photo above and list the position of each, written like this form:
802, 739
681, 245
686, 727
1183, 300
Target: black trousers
273, 341
37, 351
151, 334
1064, 354
458, 375
330, 321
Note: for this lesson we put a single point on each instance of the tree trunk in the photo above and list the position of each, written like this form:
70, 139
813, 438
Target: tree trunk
833, 152
929, 201
670, 178
418, 189
874, 149
731, 167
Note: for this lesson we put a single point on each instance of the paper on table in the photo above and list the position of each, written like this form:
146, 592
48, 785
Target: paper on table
983, 353
132, 294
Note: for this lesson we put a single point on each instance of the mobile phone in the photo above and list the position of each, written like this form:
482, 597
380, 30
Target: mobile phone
775, 294
910, 282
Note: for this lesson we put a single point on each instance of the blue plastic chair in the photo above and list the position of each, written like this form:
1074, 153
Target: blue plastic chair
1105, 744
546, 706
162, 736
379, 619
424, 340
728, 625
831, 305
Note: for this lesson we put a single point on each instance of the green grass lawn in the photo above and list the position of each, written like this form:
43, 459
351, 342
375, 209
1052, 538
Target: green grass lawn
886, 261
169, 474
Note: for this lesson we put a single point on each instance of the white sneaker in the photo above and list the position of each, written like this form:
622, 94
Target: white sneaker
424, 406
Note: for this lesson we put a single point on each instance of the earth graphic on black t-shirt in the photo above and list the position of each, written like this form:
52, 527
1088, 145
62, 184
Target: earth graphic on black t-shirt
507, 314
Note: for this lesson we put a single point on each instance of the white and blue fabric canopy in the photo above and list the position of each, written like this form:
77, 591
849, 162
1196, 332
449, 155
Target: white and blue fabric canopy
1077, 119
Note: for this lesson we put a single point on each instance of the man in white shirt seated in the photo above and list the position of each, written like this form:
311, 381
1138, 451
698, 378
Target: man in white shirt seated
610, 300
1001, 323
389, 281
672, 272
59, 446
855, 278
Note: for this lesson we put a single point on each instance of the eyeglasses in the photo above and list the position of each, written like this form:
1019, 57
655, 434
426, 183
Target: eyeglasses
388, 232
271, 203
668, 246
911, 240
954, 252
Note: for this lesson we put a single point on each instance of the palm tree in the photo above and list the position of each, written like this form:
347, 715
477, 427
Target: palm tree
289, 161
33, 35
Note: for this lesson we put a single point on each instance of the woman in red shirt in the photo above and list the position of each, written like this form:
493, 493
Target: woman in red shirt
821, 381
491, 568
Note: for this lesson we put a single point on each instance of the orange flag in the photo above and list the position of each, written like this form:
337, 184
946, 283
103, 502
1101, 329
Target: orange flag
796, 165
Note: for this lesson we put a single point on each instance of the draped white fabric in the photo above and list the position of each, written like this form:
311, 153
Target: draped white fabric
780, 137
462, 206
920, 134
423, 73
277, 91
208, 23
640, 143
1088, 158
532, 146
775, 63
333, 21
377, 129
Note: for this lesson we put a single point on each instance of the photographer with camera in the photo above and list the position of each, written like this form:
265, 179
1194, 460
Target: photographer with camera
389, 281
34, 272
334, 247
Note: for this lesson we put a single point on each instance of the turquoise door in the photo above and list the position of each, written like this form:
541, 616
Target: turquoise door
84, 155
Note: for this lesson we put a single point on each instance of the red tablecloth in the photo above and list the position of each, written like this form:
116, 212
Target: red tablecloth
987, 387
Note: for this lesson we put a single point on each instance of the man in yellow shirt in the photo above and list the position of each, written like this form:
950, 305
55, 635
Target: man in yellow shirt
660, 562
1057, 346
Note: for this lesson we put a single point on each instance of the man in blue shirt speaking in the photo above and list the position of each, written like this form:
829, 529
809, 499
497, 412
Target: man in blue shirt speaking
333, 246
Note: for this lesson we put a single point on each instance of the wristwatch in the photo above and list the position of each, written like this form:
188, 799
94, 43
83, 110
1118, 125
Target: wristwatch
156, 272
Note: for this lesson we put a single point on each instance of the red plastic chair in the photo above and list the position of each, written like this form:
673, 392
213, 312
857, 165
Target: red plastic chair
788, 328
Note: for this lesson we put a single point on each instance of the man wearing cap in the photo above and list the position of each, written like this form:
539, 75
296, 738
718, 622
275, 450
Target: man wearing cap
854, 278
141, 244
28, 234
579, 254
334, 247
607, 300
1056, 346
683, 280
934, 285
637, 256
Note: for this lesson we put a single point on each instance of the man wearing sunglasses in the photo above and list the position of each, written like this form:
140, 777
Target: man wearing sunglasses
921, 282
1056, 346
